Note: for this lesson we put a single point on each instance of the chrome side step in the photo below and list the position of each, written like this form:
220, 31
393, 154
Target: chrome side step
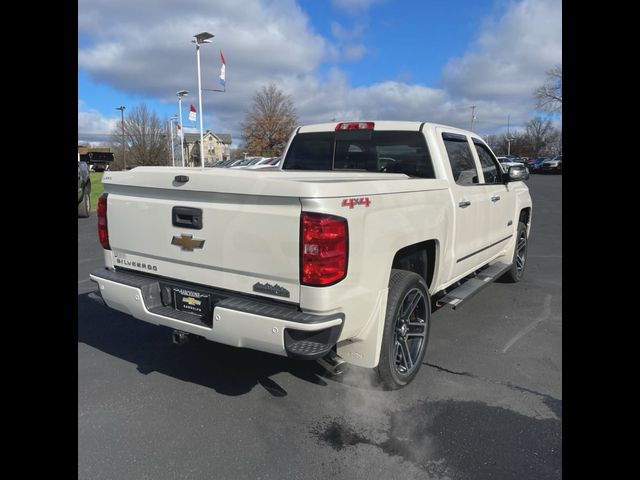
456, 297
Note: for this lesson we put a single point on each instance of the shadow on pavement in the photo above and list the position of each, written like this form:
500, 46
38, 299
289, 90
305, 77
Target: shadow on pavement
228, 370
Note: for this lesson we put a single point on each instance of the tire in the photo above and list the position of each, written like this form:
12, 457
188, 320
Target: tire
404, 343
519, 261
84, 207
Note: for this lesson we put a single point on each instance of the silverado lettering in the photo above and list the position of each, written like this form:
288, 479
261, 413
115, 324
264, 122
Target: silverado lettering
129, 263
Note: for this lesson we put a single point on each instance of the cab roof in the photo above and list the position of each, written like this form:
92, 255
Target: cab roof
385, 125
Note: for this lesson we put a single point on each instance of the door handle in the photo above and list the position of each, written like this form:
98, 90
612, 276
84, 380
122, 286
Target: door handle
495, 198
464, 203
187, 217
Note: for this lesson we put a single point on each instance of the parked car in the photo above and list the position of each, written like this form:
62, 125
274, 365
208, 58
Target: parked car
536, 164
84, 190
224, 163
268, 163
248, 162
553, 165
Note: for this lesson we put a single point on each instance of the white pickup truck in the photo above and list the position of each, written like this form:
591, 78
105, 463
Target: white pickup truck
340, 256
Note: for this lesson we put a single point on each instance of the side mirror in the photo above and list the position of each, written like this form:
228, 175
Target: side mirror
517, 173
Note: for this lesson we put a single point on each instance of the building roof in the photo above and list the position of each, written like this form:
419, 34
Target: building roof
224, 138
195, 137
83, 149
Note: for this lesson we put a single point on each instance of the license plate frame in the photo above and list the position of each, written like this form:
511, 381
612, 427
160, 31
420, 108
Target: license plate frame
191, 301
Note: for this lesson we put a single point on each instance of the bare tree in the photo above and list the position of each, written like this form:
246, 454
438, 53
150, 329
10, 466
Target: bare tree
549, 95
269, 123
115, 142
540, 135
518, 145
146, 139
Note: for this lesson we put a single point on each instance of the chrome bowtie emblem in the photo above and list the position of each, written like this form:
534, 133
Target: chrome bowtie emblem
187, 242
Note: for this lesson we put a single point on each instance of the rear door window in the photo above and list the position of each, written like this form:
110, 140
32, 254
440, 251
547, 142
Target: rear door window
463, 166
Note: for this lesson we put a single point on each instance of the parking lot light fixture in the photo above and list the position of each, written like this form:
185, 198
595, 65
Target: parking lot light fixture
172, 119
199, 38
124, 161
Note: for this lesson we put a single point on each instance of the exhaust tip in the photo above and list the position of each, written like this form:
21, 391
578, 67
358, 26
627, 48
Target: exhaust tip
179, 338
93, 296
333, 363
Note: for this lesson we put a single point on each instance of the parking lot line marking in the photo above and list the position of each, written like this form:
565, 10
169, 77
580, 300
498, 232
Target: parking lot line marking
546, 313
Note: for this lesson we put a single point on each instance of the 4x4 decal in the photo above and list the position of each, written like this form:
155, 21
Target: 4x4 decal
352, 202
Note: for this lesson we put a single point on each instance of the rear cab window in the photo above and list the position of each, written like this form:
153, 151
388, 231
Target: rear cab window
383, 151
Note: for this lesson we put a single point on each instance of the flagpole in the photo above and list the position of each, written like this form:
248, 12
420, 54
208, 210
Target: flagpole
173, 149
181, 130
180, 94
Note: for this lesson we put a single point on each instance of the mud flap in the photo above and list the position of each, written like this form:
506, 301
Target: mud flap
363, 349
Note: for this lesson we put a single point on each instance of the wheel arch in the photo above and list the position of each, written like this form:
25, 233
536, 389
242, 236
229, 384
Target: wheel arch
420, 258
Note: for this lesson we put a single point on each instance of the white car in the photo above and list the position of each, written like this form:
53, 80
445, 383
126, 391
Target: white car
506, 163
268, 163
553, 165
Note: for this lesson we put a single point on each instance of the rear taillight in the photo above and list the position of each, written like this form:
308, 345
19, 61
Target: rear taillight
324, 245
103, 231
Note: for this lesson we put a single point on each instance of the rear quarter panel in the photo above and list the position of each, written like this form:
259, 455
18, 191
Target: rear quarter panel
376, 233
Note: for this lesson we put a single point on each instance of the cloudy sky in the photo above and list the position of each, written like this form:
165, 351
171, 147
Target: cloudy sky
426, 60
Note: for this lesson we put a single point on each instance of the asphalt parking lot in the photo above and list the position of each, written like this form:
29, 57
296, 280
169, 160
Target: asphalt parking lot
486, 404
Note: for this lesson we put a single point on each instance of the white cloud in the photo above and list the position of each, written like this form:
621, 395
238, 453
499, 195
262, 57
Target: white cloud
349, 47
147, 51
92, 125
509, 58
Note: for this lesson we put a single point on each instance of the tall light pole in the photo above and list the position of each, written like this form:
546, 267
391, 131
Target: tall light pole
121, 108
473, 116
173, 149
202, 37
180, 94
508, 136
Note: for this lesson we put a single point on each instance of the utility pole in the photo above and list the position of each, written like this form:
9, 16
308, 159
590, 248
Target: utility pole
121, 108
473, 115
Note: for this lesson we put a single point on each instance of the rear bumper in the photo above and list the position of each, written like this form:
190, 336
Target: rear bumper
237, 321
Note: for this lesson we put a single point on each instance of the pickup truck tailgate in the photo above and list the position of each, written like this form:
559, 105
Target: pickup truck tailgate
250, 241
